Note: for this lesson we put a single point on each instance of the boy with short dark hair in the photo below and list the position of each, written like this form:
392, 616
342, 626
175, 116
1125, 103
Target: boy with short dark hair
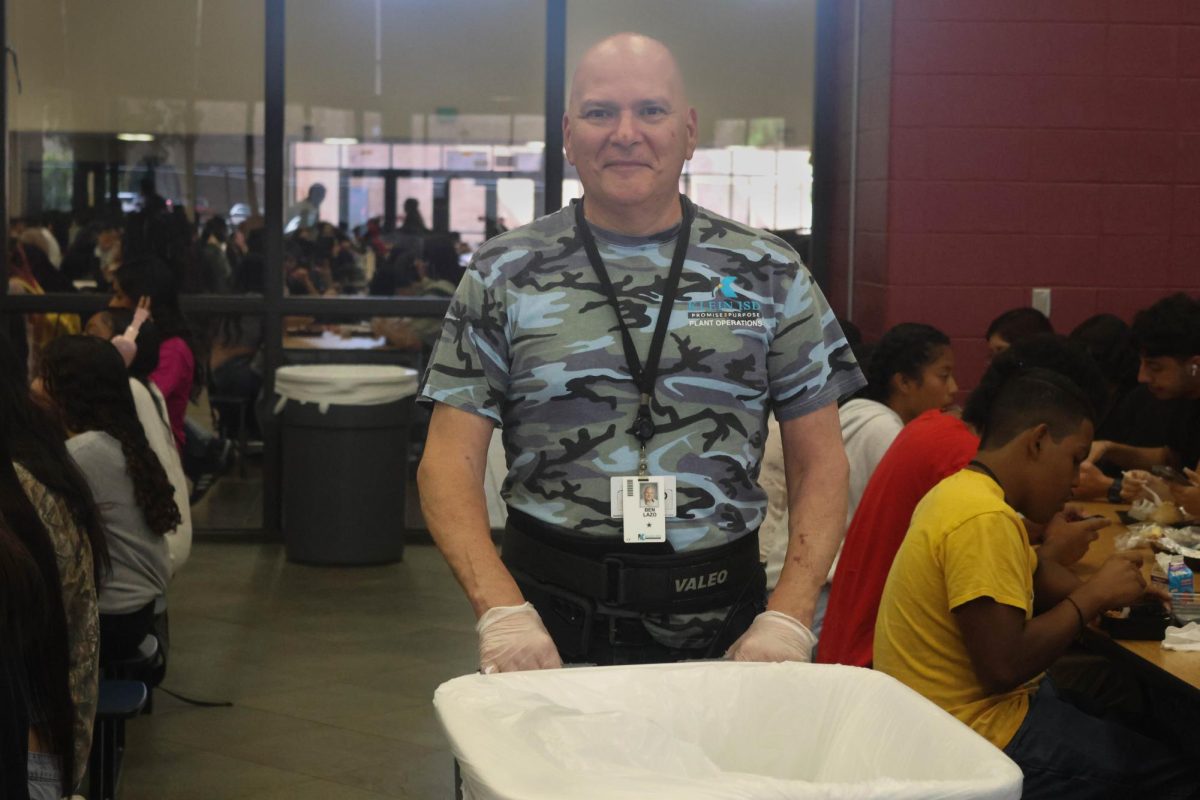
1167, 337
970, 617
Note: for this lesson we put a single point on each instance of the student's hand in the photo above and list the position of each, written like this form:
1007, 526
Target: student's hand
1157, 592
1149, 487
1092, 482
1188, 497
513, 638
1068, 537
141, 313
1132, 483
1118, 583
774, 636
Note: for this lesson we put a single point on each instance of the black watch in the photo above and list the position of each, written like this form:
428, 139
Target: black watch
1114, 491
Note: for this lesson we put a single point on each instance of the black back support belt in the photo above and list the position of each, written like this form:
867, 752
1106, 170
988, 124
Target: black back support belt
634, 577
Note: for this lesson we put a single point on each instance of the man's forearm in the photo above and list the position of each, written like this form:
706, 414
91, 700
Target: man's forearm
455, 509
816, 516
1129, 457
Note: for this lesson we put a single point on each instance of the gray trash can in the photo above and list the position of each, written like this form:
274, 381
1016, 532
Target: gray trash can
345, 461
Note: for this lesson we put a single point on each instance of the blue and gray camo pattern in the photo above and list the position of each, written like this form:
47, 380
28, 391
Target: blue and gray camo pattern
531, 342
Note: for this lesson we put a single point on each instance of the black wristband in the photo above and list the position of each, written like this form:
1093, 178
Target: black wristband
1114, 491
1079, 612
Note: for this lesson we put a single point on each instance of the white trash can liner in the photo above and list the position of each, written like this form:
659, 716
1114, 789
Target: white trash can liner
343, 384
709, 730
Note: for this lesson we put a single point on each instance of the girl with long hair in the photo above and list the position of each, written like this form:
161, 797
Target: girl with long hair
177, 371
910, 371
113, 324
84, 379
51, 525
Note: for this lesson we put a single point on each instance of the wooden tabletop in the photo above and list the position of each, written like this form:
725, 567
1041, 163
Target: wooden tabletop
1179, 669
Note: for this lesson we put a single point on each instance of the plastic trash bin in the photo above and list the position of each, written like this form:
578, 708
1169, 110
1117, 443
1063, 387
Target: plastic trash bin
345, 461
708, 730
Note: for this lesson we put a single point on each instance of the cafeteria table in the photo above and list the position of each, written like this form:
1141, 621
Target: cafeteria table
1169, 668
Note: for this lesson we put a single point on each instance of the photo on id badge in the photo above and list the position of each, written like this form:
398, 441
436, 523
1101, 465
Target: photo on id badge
645, 518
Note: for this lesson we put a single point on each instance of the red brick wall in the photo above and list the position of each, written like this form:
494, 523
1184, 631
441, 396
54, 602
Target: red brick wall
870, 186
1028, 143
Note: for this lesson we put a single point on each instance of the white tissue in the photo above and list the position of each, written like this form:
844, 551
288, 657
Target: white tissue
1185, 638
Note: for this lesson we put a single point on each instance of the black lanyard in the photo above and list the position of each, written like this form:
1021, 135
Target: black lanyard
979, 465
644, 376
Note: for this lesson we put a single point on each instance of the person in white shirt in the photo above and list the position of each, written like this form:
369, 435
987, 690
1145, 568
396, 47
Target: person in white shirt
910, 371
84, 379
137, 339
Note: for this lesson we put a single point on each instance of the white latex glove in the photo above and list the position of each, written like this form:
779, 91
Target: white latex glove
774, 636
512, 638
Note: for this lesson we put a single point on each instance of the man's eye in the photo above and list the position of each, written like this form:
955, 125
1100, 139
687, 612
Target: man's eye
596, 113
653, 111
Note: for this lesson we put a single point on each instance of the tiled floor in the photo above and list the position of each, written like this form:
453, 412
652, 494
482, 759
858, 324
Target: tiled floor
331, 672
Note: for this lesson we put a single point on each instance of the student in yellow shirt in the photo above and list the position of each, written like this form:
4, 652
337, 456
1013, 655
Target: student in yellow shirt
971, 618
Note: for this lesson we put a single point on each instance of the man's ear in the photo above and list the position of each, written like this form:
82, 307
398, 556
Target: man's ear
1036, 437
566, 129
693, 133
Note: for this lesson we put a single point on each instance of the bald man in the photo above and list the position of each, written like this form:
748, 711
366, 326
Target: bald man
630, 340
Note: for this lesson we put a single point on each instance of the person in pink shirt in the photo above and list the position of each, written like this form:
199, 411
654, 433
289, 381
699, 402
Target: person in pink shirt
176, 372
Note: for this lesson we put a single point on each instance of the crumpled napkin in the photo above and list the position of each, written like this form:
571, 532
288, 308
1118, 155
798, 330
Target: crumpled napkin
1185, 638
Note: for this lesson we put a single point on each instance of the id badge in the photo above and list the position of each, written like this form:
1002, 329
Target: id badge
645, 512
616, 488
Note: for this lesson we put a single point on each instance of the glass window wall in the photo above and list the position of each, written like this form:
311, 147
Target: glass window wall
393, 149
413, 131
132, 116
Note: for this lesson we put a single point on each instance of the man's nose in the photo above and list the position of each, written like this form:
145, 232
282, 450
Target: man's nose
627, 133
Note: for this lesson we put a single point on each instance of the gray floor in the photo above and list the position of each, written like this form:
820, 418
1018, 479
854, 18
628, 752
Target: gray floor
331, 672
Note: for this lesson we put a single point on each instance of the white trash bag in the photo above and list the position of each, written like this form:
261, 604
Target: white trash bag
709, 730
343, 384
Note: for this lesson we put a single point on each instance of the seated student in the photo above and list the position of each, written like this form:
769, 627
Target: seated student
971, 617
115, 325
176, 371
909, 372
409, 275
1015, 326
931, 447
1132, 415
83, 378
1167, 335
49, 507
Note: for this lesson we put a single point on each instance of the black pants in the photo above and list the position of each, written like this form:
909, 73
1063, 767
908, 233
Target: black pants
121, 634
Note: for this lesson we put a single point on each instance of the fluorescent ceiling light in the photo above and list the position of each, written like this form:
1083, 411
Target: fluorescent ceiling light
340, 140
135, 137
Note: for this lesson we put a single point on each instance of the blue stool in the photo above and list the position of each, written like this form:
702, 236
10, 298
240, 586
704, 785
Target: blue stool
148, 666
118, 701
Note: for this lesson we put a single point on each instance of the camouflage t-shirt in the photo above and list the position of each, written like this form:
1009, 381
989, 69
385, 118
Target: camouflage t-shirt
531, 342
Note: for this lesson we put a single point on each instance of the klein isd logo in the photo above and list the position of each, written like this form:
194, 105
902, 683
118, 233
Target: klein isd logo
725, 307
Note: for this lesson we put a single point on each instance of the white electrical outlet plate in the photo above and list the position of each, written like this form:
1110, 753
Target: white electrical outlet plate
1041, 301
